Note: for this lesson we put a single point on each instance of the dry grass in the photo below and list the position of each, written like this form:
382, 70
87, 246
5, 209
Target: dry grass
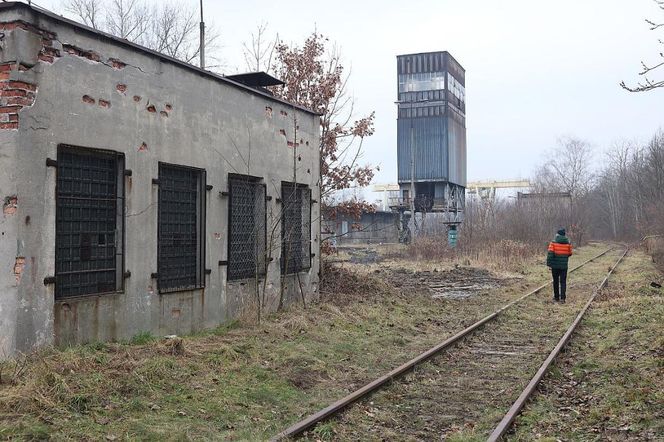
609, 385
241, 381
504, 254
461, 393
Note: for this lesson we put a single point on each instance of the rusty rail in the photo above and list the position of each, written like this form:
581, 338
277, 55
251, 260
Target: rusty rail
518, 405
330, 410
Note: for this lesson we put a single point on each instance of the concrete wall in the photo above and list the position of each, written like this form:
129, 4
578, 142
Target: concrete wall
371, 228
63, 84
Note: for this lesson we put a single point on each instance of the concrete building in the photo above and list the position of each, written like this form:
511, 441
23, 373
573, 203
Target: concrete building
141, 193
377, 227
431, 134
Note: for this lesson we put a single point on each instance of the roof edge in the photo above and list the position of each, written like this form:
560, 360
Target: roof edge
6, 6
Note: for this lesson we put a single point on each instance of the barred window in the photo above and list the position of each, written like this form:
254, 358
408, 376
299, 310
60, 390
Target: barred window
246, 227
295, 228
181, 245
89, 219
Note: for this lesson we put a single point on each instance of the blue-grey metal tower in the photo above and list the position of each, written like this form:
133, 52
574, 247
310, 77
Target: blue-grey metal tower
431, 135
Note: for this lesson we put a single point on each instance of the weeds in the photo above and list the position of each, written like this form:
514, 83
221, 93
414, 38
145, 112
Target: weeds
242, 381
505, 254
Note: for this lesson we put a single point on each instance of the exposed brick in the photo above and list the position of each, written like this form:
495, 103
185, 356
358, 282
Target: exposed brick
18, 85
117, 64
143, 147
137, 98
169, 107
4, 75
10, 109
8, 118
282, 132
19, 265
11, 205
19, 101
6, 67
47, 50
28, 27
151, 109
163, 114
268, 112
12, 125
8, 26
13, 93
104, 103
88, 99
84, 53
46, 58
122, 88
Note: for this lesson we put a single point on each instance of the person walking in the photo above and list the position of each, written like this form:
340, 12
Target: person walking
559, 252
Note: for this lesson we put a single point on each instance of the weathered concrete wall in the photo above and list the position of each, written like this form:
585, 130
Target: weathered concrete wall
371, 228
66, 85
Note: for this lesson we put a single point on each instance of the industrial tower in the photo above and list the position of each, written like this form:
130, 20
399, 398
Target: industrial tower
431, 136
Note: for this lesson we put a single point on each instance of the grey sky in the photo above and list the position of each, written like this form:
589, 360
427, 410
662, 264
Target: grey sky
535, 70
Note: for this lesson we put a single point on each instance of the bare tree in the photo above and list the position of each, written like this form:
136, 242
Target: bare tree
127, 19
169, 27
648, 84
87, 11
568, 169
259, 53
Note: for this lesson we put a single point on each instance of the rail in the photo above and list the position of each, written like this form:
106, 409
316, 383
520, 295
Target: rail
311, 421
518, 405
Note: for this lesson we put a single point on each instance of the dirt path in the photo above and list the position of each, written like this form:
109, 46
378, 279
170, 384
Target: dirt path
465, 391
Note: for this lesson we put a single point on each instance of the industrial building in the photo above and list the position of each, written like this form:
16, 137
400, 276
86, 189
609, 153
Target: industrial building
140, 193
431, 135
378, 227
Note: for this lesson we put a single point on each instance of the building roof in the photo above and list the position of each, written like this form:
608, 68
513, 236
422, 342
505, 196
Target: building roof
445, 53
6, 6
256, 79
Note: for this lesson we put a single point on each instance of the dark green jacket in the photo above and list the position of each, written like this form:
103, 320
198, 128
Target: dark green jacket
559, 252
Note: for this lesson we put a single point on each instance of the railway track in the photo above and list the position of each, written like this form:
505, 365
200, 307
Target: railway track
477, 380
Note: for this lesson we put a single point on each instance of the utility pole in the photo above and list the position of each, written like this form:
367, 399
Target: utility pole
412, 174
202, 42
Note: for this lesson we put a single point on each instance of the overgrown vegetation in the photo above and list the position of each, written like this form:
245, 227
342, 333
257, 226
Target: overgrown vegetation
609, 384
462, 393
243, 381
502, 254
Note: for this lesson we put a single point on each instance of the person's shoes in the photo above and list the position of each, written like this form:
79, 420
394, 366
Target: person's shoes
555, 299
562, 301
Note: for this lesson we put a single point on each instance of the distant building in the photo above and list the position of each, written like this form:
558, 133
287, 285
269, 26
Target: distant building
378, 227
431, 134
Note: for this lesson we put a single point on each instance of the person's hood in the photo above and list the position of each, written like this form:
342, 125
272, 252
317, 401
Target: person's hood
561, 239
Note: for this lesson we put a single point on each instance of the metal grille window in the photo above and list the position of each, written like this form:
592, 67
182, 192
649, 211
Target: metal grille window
246, 227
295, 228
181, 249
89, 218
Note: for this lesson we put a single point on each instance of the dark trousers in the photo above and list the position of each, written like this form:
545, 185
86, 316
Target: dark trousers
559, 283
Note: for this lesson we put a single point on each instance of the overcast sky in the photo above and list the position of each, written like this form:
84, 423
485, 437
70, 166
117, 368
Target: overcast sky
535, 70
